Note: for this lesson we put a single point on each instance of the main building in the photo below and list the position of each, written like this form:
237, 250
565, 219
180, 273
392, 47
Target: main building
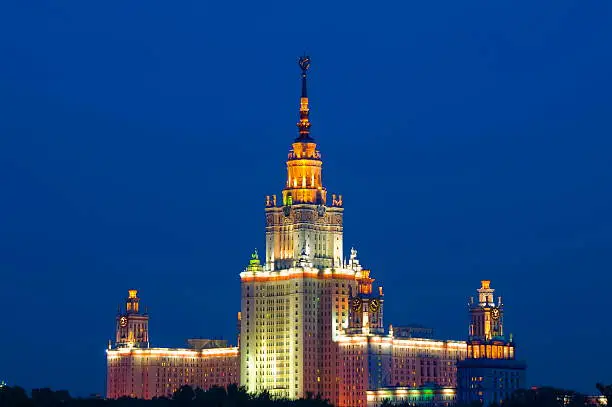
311, 322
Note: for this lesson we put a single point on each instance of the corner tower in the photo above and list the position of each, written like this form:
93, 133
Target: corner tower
490, 373
296, 303
486, 316
132, 326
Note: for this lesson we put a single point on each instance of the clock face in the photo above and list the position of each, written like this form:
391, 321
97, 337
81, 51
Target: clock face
356, 304
287, 210
374, 305
495, 313
321, 210
123, 321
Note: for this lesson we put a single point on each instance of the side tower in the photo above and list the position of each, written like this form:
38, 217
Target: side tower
295, 304
366, 308
132, 326
365, 351
486, 323
490, 373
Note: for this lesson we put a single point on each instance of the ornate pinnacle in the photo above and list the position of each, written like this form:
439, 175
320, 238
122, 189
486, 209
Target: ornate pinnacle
304, 123
254, 263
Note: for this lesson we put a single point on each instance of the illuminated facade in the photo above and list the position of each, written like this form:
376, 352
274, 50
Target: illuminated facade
310, 322
490, 373
295, 305
136, 370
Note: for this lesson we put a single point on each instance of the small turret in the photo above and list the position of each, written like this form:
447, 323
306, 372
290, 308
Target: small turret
254, 263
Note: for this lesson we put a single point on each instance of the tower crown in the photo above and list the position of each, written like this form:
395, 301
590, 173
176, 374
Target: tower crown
304, 180
301, 230
364, 282
485, 294
132, 302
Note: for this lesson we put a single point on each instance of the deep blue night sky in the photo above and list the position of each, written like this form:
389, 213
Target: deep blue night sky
138, 140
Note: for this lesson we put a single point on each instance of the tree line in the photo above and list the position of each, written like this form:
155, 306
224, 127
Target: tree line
186, 396
235, 396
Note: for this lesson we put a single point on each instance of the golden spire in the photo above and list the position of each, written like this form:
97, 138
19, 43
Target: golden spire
304, 184
304, 123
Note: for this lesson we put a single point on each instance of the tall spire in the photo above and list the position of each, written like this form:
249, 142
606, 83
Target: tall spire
304, 123
304, 184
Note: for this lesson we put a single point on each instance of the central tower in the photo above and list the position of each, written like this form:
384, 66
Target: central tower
296, 303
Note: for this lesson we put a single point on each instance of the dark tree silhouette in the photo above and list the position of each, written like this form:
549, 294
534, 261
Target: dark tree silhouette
546, 397
386, 403
14, 397
184, 396
49, 398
